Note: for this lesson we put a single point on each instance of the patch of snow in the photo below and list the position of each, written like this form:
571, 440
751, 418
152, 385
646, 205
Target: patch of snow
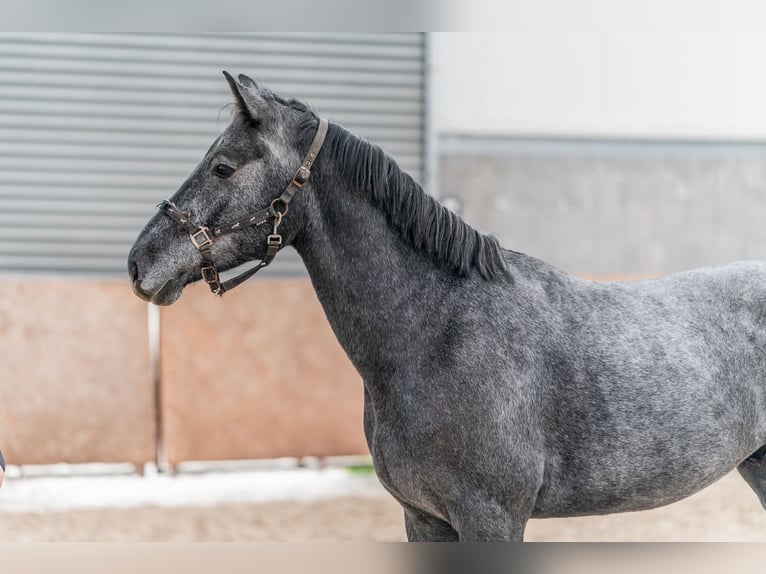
62, 493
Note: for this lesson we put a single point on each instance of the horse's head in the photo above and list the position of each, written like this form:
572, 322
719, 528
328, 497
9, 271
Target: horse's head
246, 168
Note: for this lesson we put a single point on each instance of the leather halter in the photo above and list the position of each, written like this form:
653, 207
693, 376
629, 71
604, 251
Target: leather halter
202, 236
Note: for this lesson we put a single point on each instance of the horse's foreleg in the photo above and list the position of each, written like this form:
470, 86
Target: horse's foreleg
489, 522
509, 530
483, 524
753, 470
422, 527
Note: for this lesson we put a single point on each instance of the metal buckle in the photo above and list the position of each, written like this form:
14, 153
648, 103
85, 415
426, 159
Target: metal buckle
206, 239
274, 240
210, 274
301, 176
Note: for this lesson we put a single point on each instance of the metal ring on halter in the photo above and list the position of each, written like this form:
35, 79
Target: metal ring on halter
282, 201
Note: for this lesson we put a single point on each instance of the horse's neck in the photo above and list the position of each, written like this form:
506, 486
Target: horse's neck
374, 287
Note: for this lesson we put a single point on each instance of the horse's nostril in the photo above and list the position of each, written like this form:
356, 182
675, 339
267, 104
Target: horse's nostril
132, 269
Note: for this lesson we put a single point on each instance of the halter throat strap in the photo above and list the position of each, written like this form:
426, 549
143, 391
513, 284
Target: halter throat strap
203, 236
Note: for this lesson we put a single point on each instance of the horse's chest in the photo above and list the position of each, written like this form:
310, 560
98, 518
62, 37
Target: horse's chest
391, 466
406, 476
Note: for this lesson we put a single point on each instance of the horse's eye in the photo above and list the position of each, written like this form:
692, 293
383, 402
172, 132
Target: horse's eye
223, 171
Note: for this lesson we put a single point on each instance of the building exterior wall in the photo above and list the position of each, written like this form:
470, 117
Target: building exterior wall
96, 129
602, 69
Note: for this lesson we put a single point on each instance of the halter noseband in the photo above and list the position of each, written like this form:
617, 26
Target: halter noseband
202, 236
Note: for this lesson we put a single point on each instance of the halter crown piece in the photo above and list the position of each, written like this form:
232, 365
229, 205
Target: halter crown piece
203, 236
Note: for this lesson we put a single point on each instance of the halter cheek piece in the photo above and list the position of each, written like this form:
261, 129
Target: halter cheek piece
202, 236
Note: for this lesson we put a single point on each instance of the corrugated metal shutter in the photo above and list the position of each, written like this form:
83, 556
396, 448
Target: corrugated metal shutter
96, 129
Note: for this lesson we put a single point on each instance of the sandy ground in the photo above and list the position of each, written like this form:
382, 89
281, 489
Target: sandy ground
727, 511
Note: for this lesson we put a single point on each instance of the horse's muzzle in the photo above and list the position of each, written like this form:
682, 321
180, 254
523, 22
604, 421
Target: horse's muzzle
135, 282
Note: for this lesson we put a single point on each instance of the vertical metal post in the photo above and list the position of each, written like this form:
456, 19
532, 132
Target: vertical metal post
153, 317
430, 134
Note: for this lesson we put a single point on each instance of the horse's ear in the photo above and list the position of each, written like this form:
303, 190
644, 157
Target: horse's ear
246, 94
247, 81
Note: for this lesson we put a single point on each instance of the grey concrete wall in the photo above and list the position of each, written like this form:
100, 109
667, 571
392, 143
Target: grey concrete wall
613, 208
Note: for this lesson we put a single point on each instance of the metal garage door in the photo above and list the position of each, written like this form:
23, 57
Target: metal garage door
96, 129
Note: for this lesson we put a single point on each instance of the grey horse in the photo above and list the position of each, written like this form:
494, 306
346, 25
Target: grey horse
496, 387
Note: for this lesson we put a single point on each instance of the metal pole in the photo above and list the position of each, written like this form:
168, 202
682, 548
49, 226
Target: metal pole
430, 134
153, 318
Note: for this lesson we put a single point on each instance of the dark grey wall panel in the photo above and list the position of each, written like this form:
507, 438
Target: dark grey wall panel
613, 208
95, 129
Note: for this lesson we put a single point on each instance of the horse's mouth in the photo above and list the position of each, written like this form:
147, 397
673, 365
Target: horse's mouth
167, 294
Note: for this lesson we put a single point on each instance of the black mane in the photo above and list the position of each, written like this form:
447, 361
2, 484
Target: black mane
419, 218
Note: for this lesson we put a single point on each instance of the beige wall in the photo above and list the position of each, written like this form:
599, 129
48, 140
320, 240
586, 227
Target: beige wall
75, 383
256, 374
